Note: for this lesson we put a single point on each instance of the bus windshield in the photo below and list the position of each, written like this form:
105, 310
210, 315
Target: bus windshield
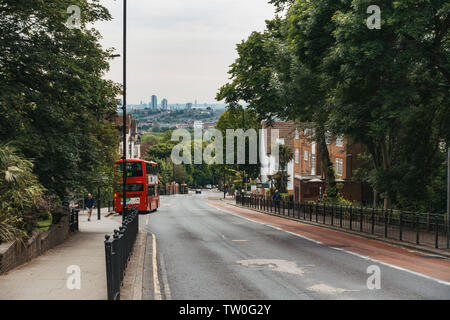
151, 169
134, 169
133, 187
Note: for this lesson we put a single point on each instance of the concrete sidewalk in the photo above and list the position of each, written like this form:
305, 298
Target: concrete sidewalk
45, 278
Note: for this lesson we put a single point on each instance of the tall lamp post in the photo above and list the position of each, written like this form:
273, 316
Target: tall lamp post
124, 108
448, 199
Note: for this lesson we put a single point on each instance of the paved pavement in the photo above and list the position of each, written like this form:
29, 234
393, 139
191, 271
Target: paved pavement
207, 249
45, 278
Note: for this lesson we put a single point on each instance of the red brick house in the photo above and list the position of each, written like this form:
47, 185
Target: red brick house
309, 183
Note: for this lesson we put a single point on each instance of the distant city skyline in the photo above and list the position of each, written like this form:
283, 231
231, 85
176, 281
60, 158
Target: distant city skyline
180, 49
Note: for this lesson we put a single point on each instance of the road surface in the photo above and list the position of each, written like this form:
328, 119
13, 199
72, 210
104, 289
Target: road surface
208, 253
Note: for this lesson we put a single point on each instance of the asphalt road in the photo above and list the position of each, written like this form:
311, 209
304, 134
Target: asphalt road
206, 254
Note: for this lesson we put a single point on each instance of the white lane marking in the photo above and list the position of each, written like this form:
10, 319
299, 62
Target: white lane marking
326, 289
340, 249
276, 265
156, 285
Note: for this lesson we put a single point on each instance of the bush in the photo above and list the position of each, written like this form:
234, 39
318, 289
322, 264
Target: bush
21, 196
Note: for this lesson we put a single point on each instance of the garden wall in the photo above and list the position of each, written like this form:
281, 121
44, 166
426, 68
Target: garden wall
16, 253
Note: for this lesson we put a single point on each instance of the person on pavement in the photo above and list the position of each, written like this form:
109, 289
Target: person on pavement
90, 205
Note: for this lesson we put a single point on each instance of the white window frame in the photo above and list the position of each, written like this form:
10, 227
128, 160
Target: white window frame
339, 166
297, 156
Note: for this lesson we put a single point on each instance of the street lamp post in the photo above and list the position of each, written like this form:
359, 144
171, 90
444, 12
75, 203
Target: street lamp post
448, 199
124, 108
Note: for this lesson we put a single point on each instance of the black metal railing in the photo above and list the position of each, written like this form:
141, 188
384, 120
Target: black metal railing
118, 251
73, 219
427, 229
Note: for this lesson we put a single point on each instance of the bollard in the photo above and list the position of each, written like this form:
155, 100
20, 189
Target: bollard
109, 273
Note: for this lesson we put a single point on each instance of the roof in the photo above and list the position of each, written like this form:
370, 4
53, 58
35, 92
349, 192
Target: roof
286, 132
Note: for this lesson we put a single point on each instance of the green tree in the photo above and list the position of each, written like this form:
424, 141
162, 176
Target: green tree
54, 104
285, 155
233, 119
390, 91
279, 75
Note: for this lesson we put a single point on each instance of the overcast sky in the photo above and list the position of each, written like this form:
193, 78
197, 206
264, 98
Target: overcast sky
180, 49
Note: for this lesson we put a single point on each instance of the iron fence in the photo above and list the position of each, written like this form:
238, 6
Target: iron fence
118, 252
427, 229
73, 219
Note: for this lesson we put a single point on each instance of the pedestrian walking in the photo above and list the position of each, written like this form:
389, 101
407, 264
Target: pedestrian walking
277, 198
90, 205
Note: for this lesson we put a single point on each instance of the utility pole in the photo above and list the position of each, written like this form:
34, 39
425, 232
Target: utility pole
99, 204
124, 107
448, 199
243, 128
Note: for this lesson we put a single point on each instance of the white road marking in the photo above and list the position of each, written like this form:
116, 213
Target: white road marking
276, 265
156, 285
326, 289
340, 249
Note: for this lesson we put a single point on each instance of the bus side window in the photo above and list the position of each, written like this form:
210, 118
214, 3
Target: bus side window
151, 191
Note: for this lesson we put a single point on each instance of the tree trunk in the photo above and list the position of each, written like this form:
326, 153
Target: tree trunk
327, 166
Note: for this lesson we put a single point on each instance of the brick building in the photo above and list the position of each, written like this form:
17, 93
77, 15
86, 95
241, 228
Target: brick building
309, 183
286, 137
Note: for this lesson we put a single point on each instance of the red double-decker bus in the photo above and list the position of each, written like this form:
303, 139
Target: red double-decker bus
142, 186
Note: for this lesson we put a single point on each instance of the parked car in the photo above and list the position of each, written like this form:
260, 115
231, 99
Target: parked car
198, 191
208, 187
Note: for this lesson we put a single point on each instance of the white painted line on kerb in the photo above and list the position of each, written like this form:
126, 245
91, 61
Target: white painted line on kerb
340, 249
157, 288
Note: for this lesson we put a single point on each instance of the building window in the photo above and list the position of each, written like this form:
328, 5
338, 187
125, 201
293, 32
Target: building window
339, 167
305, 155
297, 156
297, 135
313, 165
340, 141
